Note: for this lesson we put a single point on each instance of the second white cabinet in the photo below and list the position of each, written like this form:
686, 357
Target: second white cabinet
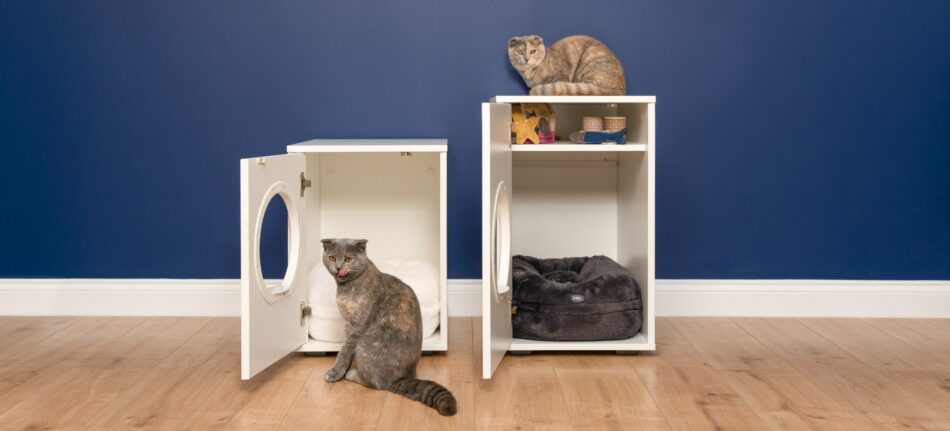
564, 200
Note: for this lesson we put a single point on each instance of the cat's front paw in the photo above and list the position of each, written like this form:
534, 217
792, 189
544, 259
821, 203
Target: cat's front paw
334, 375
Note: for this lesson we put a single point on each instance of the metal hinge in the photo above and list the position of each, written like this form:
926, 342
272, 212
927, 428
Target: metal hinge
304, 313
304, 183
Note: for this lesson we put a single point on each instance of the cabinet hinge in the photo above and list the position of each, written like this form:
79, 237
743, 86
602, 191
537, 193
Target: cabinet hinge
304, 313
304, 183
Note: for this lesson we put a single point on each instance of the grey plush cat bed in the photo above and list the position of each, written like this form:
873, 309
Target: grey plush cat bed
574, 299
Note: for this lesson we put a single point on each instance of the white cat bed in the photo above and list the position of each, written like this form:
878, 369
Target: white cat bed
326, 323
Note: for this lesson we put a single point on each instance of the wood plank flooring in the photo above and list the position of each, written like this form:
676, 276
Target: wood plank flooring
708, 373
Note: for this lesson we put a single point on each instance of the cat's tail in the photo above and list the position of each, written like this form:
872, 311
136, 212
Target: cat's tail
429, 393
562, 88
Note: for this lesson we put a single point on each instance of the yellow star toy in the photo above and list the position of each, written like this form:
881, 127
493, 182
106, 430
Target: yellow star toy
524, 128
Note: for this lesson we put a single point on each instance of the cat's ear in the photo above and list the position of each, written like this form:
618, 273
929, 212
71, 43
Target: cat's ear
326, 243
512, 42
537, 40
361, 244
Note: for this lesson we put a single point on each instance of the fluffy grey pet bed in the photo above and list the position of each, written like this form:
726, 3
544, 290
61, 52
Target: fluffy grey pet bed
574, 299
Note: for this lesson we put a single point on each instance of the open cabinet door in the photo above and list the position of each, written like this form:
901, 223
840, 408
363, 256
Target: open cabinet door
272, 323
496, 235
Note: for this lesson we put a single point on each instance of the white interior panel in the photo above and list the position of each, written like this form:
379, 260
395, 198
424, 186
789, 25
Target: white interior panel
635, 221
390, 199
638, 121
565, 204
394, 199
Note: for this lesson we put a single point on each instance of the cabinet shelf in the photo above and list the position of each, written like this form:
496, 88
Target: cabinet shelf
567, 146
432, 343
370, 146
637, 342
574, 99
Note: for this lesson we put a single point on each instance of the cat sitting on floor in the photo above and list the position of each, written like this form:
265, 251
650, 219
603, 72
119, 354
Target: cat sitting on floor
575, 65
383, 328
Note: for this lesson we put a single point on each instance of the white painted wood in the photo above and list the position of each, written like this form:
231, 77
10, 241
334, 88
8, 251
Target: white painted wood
638, 342
392, 200
222, 297
804, 298
636, 224
271, 325
578, 200
120, 297
437, 342
496, 181
443, 340
565, 146
565, 205
395, 200
465, 297
573, 99
370, 146
640, 122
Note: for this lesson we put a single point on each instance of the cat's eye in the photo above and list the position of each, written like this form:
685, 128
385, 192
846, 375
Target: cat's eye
348, 259
534, 51
520, 52
332, 258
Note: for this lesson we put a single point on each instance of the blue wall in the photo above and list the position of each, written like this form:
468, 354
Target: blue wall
797, 139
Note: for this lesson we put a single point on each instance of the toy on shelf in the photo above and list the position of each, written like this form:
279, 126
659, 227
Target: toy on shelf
546, 120
524, 128
619, 137
539, 116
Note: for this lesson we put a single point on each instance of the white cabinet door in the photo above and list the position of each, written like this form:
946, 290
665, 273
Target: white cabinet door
496, 238
271, 315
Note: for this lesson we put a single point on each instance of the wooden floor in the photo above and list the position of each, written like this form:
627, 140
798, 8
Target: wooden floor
709, 373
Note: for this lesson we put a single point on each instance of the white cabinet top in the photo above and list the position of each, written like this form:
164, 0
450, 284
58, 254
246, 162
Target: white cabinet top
578, 148
370, 146
574, 99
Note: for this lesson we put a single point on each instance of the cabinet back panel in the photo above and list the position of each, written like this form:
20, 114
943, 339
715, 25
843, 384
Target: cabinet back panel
564, 207
388, 199
570, 118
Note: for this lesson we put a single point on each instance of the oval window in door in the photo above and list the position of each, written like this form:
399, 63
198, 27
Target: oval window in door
273, 245
278, 243
501, 242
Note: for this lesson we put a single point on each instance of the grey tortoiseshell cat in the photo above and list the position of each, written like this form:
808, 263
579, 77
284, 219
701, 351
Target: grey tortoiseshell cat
574, 65
383, 328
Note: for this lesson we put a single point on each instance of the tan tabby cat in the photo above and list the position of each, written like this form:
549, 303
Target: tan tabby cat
383, 328
574, 65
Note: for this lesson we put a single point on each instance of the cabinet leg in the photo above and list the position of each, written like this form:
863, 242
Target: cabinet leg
628, 352
313, 354
519, 352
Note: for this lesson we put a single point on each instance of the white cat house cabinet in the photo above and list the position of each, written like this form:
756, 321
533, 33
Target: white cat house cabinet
565, 200
390, 192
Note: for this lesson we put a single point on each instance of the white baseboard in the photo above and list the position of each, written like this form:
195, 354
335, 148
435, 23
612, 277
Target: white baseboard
803, 298
789, 298
465, 297
119, 297
159, 297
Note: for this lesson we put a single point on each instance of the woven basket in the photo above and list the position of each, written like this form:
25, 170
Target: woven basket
593, 124
613, 124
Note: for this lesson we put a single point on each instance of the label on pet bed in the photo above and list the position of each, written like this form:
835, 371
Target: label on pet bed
577, 299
